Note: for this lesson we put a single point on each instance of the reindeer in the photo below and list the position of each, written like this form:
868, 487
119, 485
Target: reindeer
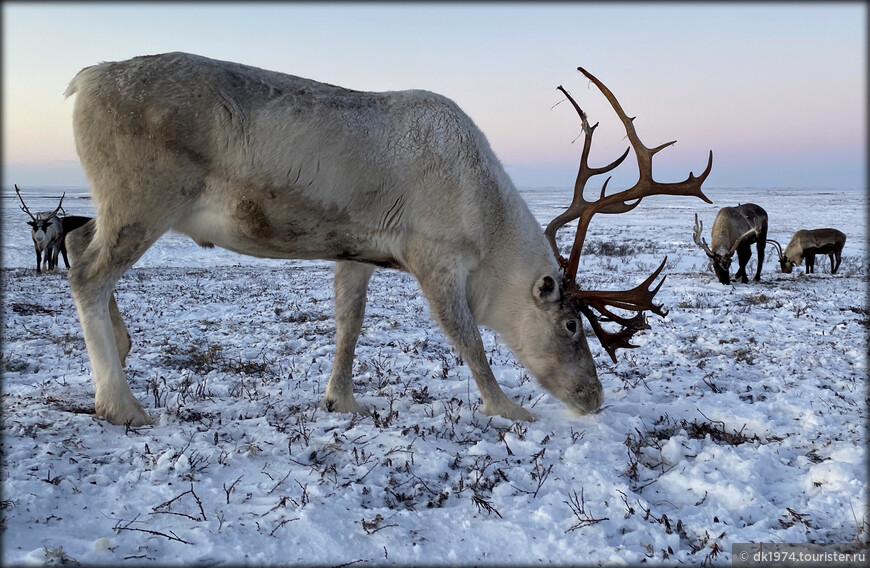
734, 229
46, 230
278, 166
49, 233
807, 244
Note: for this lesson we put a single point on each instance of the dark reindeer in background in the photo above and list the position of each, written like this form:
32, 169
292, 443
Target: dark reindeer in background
807, 244
734, 229
49, 232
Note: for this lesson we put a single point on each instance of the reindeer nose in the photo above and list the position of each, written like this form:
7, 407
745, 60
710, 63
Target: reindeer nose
588, 400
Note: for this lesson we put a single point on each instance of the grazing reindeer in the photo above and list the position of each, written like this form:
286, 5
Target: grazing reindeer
46, 230
807, 244
278, 166
734, 229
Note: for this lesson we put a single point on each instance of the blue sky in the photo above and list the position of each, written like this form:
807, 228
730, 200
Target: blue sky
778, 91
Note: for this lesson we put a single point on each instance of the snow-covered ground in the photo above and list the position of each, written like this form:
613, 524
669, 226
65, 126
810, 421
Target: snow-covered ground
741, 418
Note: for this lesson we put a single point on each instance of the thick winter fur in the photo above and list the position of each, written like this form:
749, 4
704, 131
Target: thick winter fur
277, 166
730, 224
808, 243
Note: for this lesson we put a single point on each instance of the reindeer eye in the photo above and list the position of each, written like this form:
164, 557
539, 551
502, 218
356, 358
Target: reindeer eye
571, 326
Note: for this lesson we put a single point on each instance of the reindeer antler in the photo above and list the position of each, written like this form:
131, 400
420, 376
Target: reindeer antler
584, 174
699, 240
777, 246
23, 205
639, 298
26, 210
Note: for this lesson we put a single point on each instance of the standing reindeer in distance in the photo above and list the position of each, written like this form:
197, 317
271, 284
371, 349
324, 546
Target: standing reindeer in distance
46, 230
49, 233
279, 166
734, 229
807, 244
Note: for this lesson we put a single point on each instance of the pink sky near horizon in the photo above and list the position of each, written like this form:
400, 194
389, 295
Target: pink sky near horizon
777, 91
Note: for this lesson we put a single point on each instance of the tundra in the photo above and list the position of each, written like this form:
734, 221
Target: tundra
278, 166
807, 244
734, 229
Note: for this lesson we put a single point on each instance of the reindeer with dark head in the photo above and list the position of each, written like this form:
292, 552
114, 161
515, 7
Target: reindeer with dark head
46, 230
49, 233
278, 166
807, 244
734, 229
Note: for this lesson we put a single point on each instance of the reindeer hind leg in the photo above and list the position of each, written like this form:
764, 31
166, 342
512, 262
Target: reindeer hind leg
762, 240
351, 283
55, 251
63, 253
95, 270
744, 253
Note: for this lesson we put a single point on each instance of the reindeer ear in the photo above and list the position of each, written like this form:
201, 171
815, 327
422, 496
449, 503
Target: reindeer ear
546, 289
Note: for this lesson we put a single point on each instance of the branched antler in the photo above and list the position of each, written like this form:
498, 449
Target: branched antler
699, 240
23, 205
778, 248
26, 210
640, 298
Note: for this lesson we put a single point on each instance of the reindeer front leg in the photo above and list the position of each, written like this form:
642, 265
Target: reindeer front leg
444, 287
351, 283
38, 260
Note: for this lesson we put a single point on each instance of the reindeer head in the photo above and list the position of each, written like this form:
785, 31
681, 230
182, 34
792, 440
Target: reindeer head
40, 223
596, 305
785, 263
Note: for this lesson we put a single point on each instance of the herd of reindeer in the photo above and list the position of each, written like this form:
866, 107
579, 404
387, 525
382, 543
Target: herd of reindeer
735, 229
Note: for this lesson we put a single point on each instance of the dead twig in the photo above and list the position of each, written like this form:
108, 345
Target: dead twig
578, 507
171, 536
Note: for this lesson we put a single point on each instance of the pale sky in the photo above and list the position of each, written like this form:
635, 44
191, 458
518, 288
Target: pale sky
778, 91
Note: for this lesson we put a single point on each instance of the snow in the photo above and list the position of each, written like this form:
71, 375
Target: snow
741, 417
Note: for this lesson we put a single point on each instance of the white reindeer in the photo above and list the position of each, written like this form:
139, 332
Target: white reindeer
272, 165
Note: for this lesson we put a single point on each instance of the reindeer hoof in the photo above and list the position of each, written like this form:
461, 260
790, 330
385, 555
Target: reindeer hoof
129, 413
510, 411
345, 406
